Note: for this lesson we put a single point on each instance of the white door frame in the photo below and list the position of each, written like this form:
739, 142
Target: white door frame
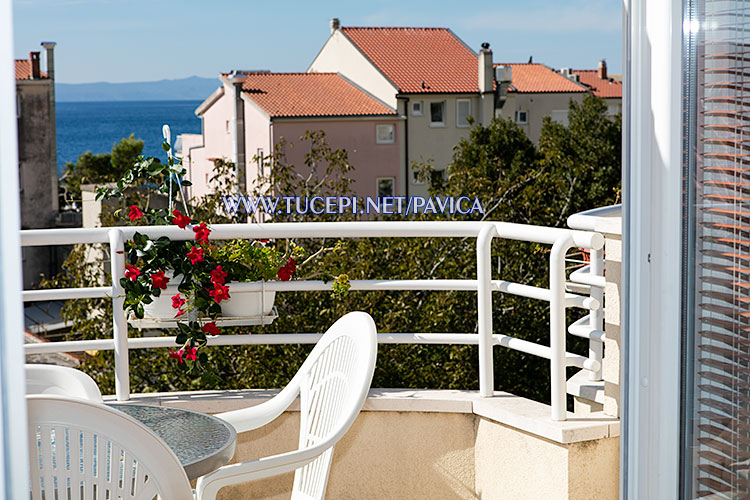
652, 183
14, 464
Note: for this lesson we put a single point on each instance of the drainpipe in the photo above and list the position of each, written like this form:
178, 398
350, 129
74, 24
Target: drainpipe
50, 49
406, 146
238, 133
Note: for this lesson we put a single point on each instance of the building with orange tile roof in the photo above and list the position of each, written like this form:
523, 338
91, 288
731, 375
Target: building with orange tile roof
246, 118
436, 82
536, 91
602, 85
37, 158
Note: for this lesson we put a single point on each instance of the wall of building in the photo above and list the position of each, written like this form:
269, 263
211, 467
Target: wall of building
257, 138
217, 143
340, 55
37, 170
355, 135
538, 106
433, 143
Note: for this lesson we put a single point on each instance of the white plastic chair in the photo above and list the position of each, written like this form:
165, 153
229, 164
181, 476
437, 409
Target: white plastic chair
61, 380
90, 451
332, 385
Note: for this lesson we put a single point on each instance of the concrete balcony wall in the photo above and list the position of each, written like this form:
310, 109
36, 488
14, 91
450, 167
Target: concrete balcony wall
436, 445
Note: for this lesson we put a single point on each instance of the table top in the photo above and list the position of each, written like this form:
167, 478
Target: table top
202, 443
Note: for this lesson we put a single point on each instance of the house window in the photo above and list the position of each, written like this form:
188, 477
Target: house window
560, 116
463, 112
386, 186
415, 177
259, 158
227, 126
416, 108
18, 105
522, 117
437, 114
385, 134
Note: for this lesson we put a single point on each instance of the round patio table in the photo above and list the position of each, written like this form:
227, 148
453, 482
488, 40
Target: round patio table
202, 443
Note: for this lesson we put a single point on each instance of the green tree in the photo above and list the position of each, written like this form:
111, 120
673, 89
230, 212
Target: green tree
515, 181
100, 168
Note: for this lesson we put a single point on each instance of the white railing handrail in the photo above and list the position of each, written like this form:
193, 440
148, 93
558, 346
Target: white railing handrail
561, 240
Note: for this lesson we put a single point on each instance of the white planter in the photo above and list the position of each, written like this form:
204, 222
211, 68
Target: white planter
161, 307
243, 304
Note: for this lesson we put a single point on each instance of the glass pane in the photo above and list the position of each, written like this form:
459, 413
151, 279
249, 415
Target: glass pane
436, 112
716, 303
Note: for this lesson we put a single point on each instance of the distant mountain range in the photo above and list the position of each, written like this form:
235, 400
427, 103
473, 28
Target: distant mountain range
193, 88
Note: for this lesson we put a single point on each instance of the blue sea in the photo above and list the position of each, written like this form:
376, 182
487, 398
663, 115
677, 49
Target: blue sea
96, 126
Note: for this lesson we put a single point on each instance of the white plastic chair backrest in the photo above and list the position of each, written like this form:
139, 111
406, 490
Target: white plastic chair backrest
62, 381
333, 385
90, 451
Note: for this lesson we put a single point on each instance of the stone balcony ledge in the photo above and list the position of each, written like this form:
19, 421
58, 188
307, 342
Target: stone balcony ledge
513, 411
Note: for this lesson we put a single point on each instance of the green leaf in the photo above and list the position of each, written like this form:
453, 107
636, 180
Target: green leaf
165, 146
181, 338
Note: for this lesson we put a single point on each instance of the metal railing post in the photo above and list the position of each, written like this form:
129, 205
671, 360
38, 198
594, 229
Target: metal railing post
119, 321
484, 311
596, 318
557, 327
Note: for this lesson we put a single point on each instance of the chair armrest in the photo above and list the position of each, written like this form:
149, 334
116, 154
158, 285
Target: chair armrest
208, 486
253, 417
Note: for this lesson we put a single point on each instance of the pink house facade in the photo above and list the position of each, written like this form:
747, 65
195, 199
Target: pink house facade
247, 117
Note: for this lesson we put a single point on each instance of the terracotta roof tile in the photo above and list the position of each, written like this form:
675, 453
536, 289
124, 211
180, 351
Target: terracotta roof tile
538, 78
310, 94
419, 60
602, 87
23, 70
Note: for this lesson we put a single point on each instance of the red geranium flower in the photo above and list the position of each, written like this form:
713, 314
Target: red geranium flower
178, 302
190, 353
201, 232
177, 355
211, 328
181, 220
132, 272
218, 276
158, 280
286, 272
180, 313
195, 255
221, 292
135, 213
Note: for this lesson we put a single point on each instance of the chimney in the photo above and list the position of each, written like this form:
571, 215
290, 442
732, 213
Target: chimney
602, 70
35, 71
238, 131
485, 69
486, 79
49, 47
335, 24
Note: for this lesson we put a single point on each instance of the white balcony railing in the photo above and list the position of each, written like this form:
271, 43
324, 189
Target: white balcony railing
561, 241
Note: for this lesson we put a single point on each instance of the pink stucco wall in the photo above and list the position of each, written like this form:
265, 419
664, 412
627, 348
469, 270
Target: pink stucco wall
217, 143
357, 136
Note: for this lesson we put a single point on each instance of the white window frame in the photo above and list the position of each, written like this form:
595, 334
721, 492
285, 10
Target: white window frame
381, 126
518, 120
414, 111
458, 115
560, 116
445, 110
260, 158
393, 185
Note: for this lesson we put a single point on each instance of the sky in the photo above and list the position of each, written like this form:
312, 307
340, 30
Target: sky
147, 40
